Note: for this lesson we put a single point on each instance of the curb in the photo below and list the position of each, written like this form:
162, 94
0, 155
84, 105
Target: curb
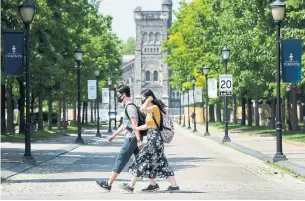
5, 174
286, 164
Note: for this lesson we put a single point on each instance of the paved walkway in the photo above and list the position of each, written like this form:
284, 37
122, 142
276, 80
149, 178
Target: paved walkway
42, 150
204, 169
295, 153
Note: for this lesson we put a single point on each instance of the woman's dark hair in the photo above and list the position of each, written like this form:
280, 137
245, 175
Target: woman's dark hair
147, 92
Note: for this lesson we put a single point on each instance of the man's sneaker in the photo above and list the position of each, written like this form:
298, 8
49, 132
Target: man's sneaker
151, 188
104, 185
172, 189
126, 187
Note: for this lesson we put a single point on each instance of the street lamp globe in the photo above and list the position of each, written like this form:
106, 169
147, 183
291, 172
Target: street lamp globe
206, 70
109, 81
97, 72
27, 11
278, 11
78, 54
225, 53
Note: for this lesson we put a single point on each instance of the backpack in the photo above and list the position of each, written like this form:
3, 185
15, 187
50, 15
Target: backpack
166, 129
141, 118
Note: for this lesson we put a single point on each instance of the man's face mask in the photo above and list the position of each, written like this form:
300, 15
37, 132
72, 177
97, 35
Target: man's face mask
120, 97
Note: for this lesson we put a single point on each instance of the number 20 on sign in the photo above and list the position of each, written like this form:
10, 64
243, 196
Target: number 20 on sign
225, 83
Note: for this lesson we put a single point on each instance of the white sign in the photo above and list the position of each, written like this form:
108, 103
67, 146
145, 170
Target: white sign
225, 83
198, 94
91, 89
105, 96
212, 88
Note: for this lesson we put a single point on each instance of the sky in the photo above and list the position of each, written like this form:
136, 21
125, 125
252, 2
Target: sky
122, 12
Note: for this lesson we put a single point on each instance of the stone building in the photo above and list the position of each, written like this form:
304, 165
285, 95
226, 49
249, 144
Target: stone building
146, 68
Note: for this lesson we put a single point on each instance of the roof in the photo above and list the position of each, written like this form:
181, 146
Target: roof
128, 58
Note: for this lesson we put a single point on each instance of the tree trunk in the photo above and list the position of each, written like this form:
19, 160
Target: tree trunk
64, 108
86, 104
50, 116
40, 113
234, 110
273, 112
294, 115
21, 105
218, 112
283, 113
9, 106
95, 115
59, 115
243, 111
32, 115
249, 104
83, 115
256, 112
211, 113
3, 126
288, 114
91, 107
74, 113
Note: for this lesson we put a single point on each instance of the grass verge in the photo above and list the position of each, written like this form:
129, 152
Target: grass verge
19, 137
296, 136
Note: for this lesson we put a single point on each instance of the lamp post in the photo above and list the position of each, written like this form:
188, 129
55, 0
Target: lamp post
27, 12
278, 13
78, 57
179, 88
183, 90
98, 134
188, 109
206, 73
194, 113
115, 99
109, 84
225, 56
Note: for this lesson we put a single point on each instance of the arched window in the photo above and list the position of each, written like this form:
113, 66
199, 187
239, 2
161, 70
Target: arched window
173, 94
158, 37
147, 76
145, 37
157, 49
151, 38
156, 75
144, 50
178, 94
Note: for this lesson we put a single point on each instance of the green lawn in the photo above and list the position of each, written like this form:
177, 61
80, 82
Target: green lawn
19, 137
297, 136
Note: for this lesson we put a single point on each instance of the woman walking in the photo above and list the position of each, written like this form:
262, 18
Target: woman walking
151, 162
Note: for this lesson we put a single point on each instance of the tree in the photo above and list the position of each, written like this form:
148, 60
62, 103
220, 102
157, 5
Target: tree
129, 47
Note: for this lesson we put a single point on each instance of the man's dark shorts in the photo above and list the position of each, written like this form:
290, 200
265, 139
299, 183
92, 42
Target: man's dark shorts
129, 147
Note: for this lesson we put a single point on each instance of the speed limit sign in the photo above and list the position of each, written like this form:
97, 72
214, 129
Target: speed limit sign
225, 83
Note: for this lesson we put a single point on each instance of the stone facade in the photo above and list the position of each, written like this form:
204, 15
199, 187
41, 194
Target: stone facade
147, 69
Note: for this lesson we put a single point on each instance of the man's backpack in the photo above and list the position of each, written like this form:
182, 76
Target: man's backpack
166, 129
141, 118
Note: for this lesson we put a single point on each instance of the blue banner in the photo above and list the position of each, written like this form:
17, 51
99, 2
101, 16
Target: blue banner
13, 52
292, 60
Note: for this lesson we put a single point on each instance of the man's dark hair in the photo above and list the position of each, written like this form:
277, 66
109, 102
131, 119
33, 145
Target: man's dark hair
123, 89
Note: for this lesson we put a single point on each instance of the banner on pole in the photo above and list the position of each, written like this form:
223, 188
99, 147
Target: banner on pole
212, 88
198, 94
91, 89
13, 52
292, 60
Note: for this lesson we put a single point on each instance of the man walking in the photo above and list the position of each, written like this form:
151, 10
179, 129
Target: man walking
132, 143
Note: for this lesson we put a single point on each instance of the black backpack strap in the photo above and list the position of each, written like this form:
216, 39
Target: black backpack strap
136, 109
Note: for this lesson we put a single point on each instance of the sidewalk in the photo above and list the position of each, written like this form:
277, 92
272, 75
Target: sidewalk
42, 150
263, 148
